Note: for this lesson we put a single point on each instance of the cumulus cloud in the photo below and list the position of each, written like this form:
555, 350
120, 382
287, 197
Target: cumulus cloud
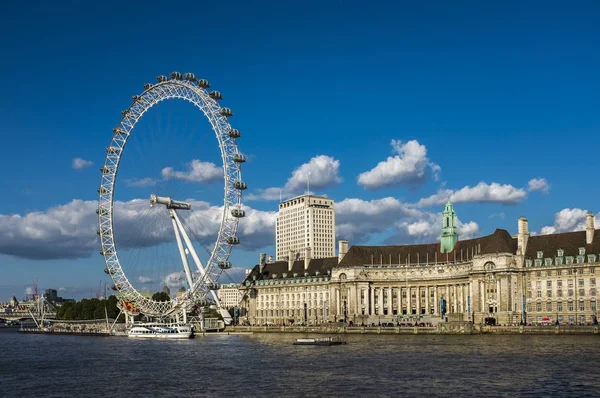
79, 163
29, 290
174, 280
358, 220
140, 182
538, 184
321, 172
569, 220
197, 172
69, 231
481, 193
144, 280
410, 166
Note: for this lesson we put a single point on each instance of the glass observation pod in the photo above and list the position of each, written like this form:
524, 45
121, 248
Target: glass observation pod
147, 86
224, 264
238, 213
109, 271
213, 286
233, 240
106, 252
119, 131
116, 287
239, 184
125, 112
102, 191
106, 170
215, 95
113, 150
190, 77
203, 83
226, 112
161, 79
102, 212
176, 76
234, 133
238, 158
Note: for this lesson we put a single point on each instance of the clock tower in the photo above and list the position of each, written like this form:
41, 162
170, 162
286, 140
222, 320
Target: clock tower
449, 230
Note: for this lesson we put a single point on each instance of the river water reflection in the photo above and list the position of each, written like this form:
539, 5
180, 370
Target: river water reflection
269, 365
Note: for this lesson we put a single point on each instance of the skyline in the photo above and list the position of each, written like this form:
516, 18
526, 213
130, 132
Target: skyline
492, 105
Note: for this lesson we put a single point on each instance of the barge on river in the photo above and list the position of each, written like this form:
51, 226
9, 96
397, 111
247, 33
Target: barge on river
320, 341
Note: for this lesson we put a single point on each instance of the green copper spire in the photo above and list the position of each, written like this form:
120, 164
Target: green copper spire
449, 231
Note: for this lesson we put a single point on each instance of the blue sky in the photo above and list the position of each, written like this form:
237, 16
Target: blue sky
470, 99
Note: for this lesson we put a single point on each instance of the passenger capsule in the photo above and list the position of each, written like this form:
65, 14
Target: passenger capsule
109, 271
161, 78
213, 286
224, 264
233, 240
101, 212
226, 112
102, 191
125, 113
113, 150
175, 76
190, 77
234, 133
147, 86
238, 158
135, 97
238, 213
203, 83
106, 252
215, 95
116, 287
106, 170
119, 131
239, 184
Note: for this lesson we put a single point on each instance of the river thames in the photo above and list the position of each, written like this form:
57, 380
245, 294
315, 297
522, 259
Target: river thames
269, 365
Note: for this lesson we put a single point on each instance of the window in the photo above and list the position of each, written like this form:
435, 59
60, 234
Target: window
581, 251
559, 306
594, 306
580, 259
528, 263
538, 274
528, 307
539, 294
591, 258
569, 260
582, 306
548, 293
549, 306
592, 292
592, 270
549, 284
571, 307
581, 282
570, 292
558, 261
559, 283
538, 307
540, 254
581, 292
559, 293
547, 262
559, 272
538, 263
560, 252
593, 281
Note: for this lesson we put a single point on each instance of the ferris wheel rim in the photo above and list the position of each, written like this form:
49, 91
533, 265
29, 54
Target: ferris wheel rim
218, 118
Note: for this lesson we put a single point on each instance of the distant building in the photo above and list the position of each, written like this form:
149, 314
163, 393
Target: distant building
52, 296
229, 295
305, 224
501, 278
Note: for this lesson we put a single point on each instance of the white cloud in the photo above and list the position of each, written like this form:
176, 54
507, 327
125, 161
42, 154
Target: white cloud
144, 280
197, 172
79, 163
69, 231
569, 220
497, 215
410, 166
481, 193
358, 220
140, 182
174, 280
538, 184
29, 290
321, 171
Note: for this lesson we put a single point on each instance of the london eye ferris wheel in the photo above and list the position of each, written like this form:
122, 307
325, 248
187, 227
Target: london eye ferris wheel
192, 239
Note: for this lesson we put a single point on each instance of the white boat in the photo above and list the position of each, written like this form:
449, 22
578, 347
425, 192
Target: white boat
160, 331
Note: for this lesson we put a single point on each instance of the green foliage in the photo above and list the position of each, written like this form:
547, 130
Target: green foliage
161, 296
87, 309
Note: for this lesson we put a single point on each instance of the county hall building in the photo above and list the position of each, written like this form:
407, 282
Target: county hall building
500, 278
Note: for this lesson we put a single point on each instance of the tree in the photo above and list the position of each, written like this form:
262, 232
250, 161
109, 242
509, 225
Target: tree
161, 296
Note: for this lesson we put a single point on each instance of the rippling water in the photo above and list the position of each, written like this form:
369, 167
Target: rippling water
269, 365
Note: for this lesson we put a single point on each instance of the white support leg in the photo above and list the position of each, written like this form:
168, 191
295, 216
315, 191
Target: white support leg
184, 260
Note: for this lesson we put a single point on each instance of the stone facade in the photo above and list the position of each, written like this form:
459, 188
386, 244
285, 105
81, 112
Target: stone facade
499, 278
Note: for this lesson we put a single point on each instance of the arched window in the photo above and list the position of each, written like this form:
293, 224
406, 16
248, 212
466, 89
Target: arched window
343, 277
489, 266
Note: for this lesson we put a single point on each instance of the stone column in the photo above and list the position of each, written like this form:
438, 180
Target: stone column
380, 300
408, 301
390, 302
371, 300
436, 305
427, 300
337, 304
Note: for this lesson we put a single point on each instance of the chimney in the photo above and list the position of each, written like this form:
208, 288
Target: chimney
522, 236
342, 249
291, 259
270, 259
307, 257
589, 228
261, 263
